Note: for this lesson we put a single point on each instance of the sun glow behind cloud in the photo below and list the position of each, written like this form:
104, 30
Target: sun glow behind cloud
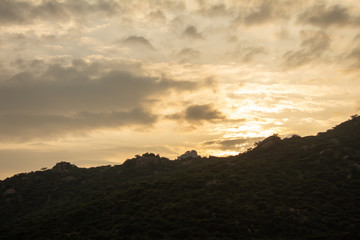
96, 82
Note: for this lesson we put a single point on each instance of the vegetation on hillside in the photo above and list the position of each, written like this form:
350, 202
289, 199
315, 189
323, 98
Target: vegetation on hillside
294, 188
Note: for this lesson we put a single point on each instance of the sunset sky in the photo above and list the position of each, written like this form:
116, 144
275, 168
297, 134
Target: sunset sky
95, 82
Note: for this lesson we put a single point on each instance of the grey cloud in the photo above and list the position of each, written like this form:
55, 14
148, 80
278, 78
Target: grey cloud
355, 52
238, 144
259, 16
22, 12
157, 16
188, 54
80, 87
51, 10
315, 41
14, 11
218, 10
202, 112
355, 55
51, 100
31, 126
226, 144
108, 7
192, 32
247, 53
324, 16
198, 113
251, 14
138, 41
313, 45
48, 37
250, 52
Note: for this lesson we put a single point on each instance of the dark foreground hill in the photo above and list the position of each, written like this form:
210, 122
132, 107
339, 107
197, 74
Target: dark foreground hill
295, 188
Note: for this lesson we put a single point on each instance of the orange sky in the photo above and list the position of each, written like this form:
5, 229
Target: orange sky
95, 82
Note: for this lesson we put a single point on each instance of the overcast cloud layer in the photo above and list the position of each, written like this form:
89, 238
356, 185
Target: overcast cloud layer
95, 82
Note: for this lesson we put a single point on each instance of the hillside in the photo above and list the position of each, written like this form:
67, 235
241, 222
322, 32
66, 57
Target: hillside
293, 188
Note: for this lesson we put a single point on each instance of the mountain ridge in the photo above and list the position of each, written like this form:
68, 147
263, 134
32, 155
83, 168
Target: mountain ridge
297, 187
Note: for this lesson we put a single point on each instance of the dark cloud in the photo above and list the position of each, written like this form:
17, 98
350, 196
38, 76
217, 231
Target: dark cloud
138, 41
247, 53
14, 11
81, 87
202, 112
313, 45
250, 52
198, 113
26, 12
229, 144
324, 16
192, 32
238, 144
354, 54
31, 126
259, 15
218, 10
263, 12
157, 16
48, 37
50, 100
188, 54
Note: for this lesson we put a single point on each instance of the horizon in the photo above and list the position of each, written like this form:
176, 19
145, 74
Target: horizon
171, 159
96, 82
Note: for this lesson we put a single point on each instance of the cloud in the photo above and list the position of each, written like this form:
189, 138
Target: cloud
246, 53
192, 32
357, 106
324, 16
259, 16
157, 16
313, 45
202, 112
32, 126
237, 144
188, 54
198, 113
262, 12
138, 41
27, 12
355, 52
81, 87
15, 12
218, 10
51, 100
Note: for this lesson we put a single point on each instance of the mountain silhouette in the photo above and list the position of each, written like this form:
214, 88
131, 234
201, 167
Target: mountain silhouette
292, 188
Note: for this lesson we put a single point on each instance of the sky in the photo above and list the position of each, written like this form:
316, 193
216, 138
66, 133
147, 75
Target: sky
96, 82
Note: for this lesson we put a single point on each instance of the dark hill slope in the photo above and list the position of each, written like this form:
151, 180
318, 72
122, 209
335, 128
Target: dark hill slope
295, 188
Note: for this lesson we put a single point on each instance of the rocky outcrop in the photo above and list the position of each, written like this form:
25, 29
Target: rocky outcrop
63, 167
268, 142
188, 154
146, 160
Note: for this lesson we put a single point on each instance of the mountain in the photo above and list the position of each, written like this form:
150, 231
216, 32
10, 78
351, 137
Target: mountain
292, 188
